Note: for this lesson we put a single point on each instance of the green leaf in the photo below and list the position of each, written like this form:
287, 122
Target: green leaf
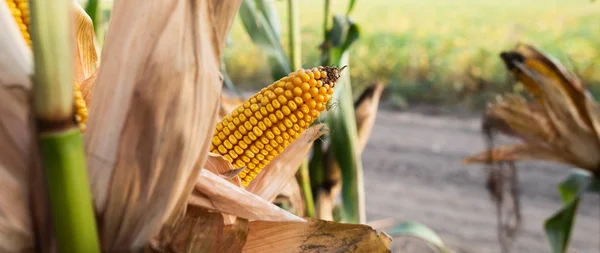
558, 227
420, 231
350, 7
261, 22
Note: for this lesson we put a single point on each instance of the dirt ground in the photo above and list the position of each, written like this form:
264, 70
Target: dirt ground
413, 171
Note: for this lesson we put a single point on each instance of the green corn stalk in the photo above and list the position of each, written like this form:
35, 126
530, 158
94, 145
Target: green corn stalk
59, 138
342, 122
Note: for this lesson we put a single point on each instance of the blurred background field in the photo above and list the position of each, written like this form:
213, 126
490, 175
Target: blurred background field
436, 52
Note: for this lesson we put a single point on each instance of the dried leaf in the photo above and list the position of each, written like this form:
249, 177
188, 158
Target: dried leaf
234, 237
153, 114
219, 165
516, 152
215, 193
197, 231
365, 109
16, 234
292, 195
277, 173
86, 51
313, 236
16, 59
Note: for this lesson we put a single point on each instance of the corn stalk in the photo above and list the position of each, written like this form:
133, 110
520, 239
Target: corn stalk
59, 139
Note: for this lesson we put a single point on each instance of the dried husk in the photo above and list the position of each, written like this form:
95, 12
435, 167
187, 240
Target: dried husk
214, 192
313, 236
153, 113
86, 53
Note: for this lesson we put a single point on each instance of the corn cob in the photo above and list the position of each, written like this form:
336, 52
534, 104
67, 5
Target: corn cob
20, 12
257, 131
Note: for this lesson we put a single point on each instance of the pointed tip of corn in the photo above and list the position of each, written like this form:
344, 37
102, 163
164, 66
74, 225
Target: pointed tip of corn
257, 131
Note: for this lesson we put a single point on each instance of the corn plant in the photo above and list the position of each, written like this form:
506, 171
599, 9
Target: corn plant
153, 184
560, 122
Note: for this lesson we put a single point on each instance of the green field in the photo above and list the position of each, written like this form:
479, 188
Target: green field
437, 51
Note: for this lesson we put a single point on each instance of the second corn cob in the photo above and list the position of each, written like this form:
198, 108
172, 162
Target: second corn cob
257, 131
20, 12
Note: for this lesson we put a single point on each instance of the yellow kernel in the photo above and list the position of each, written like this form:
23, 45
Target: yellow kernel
248, 112
304, 109
279, 139
323, 74
306, 97
292, 105
305, 87
264, 151
245, 159
273, 118
232, 154
313, 91
302, 123
314, 113
297, 91
254, 107
327, 98
322, 91
247, 139
286, 111
297, 81
276, 131
268, 148
232, 139
311, 104
270, 157
298, 101
311, 75
259, 145
257, 131
267, 122
254, 149
288, 94
221, 136
219, 127
222, 149
269, 134
285, 136
320, 107
296, 127
242, 144
262, 126
236, 121
270, 108
252, 121
274, 143
258, 115
280, 149
282, 99
260, 157
279, 91
286, 143
216, 141
226, 131
239, 163
255, 161
249, 154
319, 98
251, 136
291, 132
319, 84
242, 175
264, 101
317, 73
276, 104
253, 101
304, 77
264, 111
246, 104
312, 83
299, 114
288, 123
240, 109
247, 125
238, 150
281, 126
242, 130
271, 95
227, 144
235, 113
293, 118
228, 158
308, 119
289, 86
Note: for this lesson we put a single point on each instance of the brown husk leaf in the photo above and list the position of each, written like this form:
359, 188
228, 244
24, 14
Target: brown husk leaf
153, 114
365, 110
216, 193
313, 236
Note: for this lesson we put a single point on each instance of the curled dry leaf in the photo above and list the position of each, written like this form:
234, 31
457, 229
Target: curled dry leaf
86, 51
214, 192
273, 178
291, 195
365, 109
153, 113
313, 236
561, 125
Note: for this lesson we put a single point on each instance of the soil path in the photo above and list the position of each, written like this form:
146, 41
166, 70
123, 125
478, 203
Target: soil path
413, 171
